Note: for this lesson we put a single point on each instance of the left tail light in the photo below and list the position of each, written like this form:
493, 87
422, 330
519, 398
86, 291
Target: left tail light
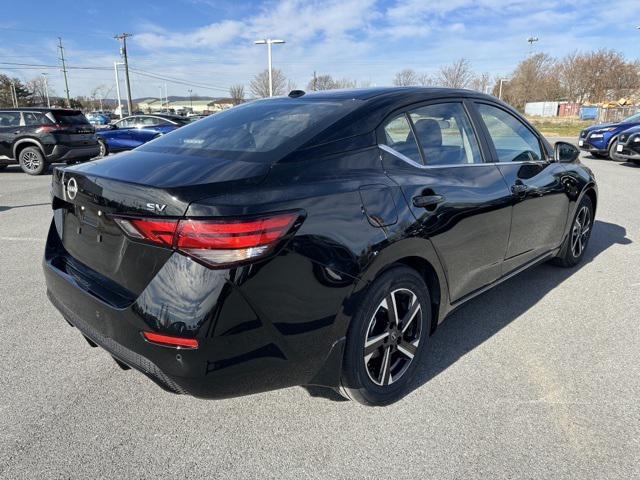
215, 242
48, 128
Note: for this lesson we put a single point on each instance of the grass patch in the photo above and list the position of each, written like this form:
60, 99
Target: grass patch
559, 126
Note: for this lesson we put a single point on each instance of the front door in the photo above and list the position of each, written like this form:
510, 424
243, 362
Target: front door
460, 202
540, 202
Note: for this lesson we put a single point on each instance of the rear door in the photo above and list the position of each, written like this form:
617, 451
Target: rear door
460, 202
9, 129
540, 203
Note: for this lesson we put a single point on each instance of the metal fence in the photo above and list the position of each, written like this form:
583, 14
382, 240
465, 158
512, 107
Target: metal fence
607, 115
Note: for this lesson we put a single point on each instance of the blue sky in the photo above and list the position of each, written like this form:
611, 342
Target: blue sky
208, 43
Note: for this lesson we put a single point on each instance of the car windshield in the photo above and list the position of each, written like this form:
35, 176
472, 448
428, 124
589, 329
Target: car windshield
258, 131
70, 117
632, 118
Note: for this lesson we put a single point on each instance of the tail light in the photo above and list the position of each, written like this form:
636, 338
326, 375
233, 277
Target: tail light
214, 242
48, 128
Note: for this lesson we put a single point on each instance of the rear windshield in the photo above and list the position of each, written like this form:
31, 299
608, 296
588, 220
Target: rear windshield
263, 130
70, 118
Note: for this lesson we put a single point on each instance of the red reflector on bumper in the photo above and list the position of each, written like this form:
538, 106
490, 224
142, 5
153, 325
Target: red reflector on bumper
168, 341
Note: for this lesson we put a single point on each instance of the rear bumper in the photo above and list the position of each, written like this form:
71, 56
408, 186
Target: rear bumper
240, 352
64, 153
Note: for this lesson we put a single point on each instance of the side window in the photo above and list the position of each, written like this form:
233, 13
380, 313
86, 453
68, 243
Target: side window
35, 118
513, 141
9, 119
398, 135
126, 122
445, 134
148, 121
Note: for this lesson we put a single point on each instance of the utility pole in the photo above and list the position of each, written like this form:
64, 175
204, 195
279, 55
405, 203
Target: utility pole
166, 96
268, 42
115, 67
46, 89
123, 52
191, 99
64, 71
500, 89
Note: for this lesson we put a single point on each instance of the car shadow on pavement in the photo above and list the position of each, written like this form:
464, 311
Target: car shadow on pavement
5, 208
484, 316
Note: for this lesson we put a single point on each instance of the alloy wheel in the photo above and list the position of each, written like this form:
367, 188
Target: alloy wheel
392, 337
580, 231
30, 160
103, 149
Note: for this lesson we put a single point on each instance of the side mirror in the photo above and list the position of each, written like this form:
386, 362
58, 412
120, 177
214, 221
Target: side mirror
112, 126
564, 152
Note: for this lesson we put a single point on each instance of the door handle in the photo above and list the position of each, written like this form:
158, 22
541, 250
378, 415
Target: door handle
519, 189
426, 201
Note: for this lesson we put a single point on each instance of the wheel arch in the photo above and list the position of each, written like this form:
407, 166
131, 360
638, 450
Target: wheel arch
24, 143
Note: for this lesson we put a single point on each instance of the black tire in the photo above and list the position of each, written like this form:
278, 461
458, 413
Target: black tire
612, 151
104, 149
573, 247
32, 161
370, 381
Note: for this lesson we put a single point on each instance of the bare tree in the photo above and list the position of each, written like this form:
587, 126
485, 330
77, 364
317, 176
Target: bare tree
344, 83
99, 93
260, 83
320, 82
38, 88
406, 78
456, 75
236, 92
426, 80
535, 79
481, 82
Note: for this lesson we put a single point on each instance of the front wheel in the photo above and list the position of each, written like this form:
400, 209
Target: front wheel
613, 154
576, 242
387, 338
32, 161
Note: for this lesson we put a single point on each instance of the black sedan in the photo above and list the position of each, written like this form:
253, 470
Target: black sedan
315, 239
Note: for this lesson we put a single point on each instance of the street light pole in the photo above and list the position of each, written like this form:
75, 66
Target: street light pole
268, 42
500, 89
115, 67
46, 89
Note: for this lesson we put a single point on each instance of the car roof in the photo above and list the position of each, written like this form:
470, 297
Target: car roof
387, 92
39, 109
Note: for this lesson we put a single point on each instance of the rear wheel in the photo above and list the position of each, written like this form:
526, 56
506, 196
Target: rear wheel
387, 338
576, 242
104, 150
32, 161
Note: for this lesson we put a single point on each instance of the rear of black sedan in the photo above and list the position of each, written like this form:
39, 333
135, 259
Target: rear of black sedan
182, 262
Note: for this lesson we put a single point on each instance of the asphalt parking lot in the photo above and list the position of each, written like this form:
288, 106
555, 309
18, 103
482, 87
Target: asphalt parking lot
538, 378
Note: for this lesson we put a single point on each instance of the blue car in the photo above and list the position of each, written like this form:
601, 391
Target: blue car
131, 132
601, 140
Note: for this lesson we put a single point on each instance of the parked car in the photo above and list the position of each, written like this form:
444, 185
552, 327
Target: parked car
628, 145
317, 239
36, 137
600, 140
193, 118
98, 120
133, 131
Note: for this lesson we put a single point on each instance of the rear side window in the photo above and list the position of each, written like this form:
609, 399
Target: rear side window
9, 119
445, 134
36, 118
70, 117
399, 136
257, 131
513, 141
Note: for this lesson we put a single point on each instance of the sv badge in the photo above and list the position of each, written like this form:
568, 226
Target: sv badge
155, 207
